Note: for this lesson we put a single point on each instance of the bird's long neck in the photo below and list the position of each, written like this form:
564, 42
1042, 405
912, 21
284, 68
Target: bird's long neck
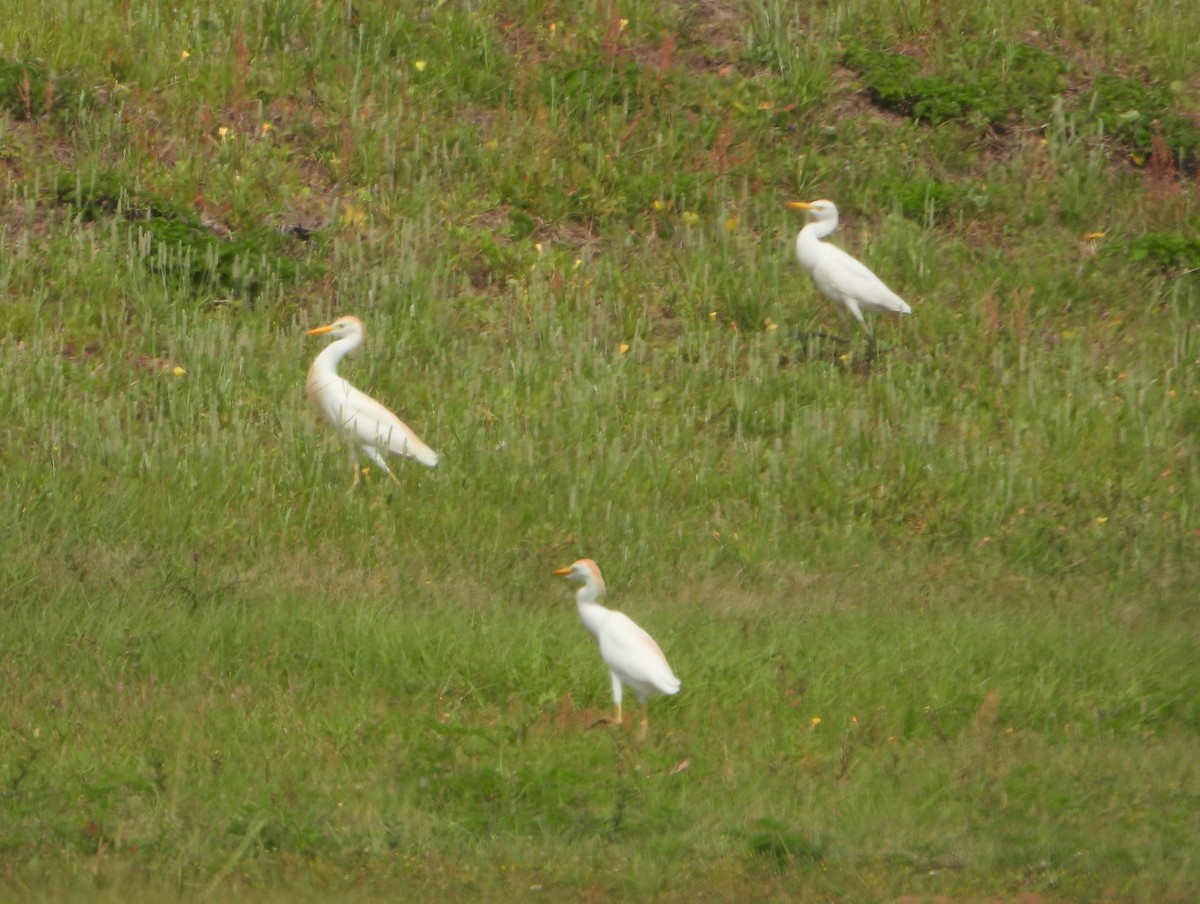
808, 242
327, 361
590, 611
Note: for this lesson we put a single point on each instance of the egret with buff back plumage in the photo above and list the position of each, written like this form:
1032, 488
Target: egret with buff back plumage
632, 656
363, 422
845, 281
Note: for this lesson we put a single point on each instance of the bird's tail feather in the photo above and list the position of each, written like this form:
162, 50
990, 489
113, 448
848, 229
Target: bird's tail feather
422, 453
412, 445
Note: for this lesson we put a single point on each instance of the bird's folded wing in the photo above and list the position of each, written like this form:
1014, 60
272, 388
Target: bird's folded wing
854, 279
377, 426
630, 651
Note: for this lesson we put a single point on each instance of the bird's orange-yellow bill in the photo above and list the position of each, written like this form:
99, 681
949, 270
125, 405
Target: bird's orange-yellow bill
799, 205
318, 330
562, 572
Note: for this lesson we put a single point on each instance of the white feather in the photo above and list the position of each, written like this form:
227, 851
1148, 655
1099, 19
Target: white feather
842, 279
364, 421
632, 656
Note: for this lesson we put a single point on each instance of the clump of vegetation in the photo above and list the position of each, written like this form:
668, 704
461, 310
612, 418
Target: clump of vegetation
107, 193
102, 194
1134, 114
978, 85
895, 83
175, 242
28, 89
782, 845
186, 250
981, 87
1166, 251
924, 199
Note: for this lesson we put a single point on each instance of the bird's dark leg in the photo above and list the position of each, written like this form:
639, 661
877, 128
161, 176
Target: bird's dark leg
864, 367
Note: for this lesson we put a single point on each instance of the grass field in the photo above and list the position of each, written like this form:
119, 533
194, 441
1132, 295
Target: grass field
934, 613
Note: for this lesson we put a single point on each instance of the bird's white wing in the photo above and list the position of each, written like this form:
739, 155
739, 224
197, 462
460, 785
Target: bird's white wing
632, 654
354, 411
850, 278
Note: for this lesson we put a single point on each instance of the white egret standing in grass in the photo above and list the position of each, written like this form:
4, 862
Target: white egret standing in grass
845, 281
631, 654
362, 420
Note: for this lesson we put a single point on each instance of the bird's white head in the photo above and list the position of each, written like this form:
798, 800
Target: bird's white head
585, 572
341, 328
818, 211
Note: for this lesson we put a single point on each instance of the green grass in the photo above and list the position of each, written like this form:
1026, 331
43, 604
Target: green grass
934, 614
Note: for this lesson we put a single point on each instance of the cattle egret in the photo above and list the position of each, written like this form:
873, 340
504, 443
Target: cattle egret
846, 282
631, 654
362, 420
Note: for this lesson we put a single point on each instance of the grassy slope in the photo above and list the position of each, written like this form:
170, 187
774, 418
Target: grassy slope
935, 622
